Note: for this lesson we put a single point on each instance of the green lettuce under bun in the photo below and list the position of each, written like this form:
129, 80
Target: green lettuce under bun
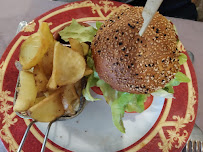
77, 31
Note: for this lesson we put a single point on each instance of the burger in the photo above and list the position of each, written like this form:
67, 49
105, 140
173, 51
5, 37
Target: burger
129, 68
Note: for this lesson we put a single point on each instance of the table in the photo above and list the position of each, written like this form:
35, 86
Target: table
12, 12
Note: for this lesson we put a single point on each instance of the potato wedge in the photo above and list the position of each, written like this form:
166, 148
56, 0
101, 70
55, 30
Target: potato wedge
51, 85
85, 48
46, 33
48, 109
70, 96
70, 93
27, 92
76, 46
68, 66
40, 78
47, 61
38, 99
33, 49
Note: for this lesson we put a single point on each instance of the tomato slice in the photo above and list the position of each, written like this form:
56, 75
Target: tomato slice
97, 90
147, 103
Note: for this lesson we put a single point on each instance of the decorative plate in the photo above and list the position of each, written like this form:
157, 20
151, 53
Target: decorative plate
165, 126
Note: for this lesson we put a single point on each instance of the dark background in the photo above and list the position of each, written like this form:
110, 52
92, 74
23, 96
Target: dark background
173, 8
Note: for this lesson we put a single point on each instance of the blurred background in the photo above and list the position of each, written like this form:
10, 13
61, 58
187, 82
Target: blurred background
187, 9
199, 6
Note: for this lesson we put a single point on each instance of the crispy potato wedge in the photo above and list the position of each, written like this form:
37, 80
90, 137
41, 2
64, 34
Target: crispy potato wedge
33, 49
76, 46
85, 48
38, 99
68, 66
46, 33
47, 61
40, 78
51, 85
70, 93
27, 92
70, 96
49, 108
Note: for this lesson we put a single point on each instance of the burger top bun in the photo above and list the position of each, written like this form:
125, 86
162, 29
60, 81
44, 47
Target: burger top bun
134, 64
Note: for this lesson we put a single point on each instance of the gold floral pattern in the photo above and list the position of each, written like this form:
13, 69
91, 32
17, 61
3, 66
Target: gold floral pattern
50, 23
179, 134
7, 119
106, 6
30, 27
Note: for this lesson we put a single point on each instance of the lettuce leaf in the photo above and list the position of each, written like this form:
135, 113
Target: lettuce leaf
126, 102
98, 24
175, 29
121, 102
179, 78
182, 58
137, 104
109, 94
118, 109
77, 31
90, 83
162, 93
90, 62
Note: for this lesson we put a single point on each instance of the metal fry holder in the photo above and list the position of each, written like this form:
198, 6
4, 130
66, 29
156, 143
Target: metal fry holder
24, 115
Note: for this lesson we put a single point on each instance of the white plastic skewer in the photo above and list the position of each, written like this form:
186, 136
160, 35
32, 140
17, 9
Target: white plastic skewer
149, 10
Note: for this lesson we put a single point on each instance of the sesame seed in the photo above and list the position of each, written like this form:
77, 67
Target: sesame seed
131, 26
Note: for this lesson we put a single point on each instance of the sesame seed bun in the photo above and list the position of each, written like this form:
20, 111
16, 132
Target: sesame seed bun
131, 63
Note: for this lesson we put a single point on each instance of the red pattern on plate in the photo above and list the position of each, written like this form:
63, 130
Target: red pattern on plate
181, 123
